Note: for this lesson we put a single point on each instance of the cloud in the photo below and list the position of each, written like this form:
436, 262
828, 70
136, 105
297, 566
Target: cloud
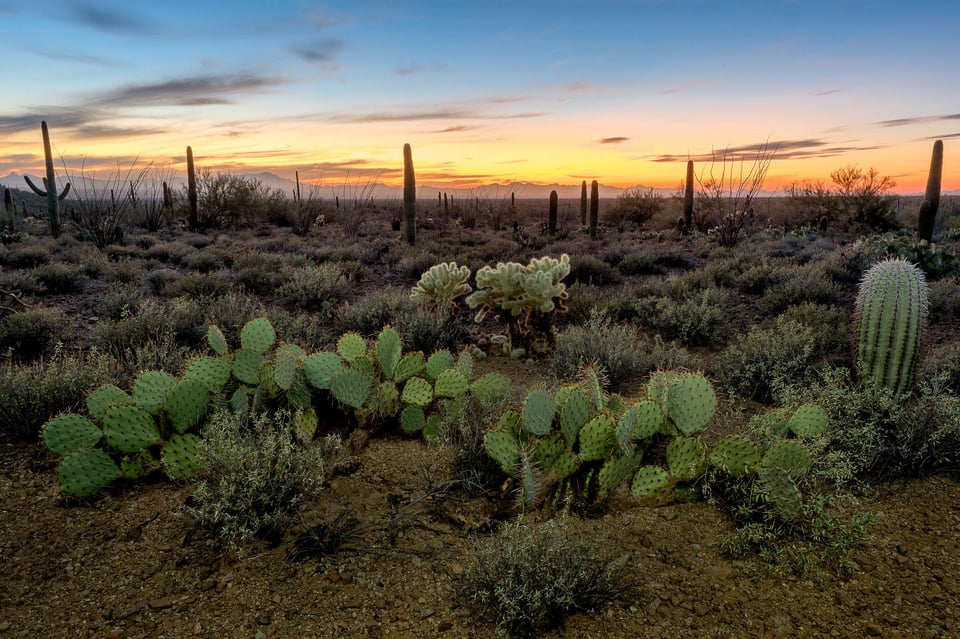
945, 136
58, 117
613, 140
780, 150
80, 58
101, 131
407, 70
918, 120
195, 91
110, 19
455, 129
826, 92
412, 116
323, 50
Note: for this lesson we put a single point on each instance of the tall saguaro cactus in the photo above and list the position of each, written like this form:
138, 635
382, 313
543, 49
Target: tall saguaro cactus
583, 203
409, 195
192, 190
688, 198
7, 221
50, 186
552, 215
594, 208
931, 197
891, 310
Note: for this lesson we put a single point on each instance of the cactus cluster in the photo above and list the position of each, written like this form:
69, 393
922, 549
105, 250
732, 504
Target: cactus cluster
442, 284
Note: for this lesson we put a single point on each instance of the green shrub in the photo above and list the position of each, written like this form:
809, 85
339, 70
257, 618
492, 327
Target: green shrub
197, 285
27, 256
148, 323
531, 576
698, 320
764, 357
615, 347
20, 282
254, 476
829, 324
587, 269
809, 284
316, 288
170, 252
30, 333
204, 260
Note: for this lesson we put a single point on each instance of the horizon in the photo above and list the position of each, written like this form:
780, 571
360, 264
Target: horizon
486, 93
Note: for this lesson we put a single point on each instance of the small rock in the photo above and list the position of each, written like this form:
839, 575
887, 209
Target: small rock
264, 619
161, 603
4, 626
873, 629
260, 635
720, 572
445, 626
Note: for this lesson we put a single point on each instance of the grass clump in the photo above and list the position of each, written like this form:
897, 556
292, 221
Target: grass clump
530, 576
30, 333
59, 278
615, 347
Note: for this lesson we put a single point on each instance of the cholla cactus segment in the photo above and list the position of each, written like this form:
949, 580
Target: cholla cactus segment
151, 388
103, 398
735, 455
320, 368
389, 350
216, 340
649, 482
84, 472
442, 284
691, 404
808, 421
465, 364
515, 288
70, 432
891, 309
538, 411
128, 428
350, 346
686, 457
258, 335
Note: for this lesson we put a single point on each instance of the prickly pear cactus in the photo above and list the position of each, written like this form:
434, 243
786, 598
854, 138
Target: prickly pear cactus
573, 416
538, 412
129, 428
451, 383
287, 365
350, 387
596, 439
246, 366
150, 390
735, 455
504, 448
212, 372
217, 341
409, 365
186, 404
258, 335
389, 350
350, 346
649, 482
320, 369
790, 455
691, 403
686, 458
84, 472
438, 362
808, 421
181, 456
103, 398
417, 391
70, 432
780, 491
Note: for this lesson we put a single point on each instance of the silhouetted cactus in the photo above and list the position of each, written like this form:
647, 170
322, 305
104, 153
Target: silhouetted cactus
409, 195
688, 199
552, 216
594, 208
192, 190
583, 203
167, 196
10, 209
50, 186
931, 196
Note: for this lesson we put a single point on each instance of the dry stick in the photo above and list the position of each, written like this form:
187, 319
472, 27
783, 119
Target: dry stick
15, 298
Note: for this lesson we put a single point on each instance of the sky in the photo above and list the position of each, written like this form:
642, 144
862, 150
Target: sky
485, 92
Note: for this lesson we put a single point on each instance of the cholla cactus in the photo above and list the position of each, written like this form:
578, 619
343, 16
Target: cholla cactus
524, 298
442, 284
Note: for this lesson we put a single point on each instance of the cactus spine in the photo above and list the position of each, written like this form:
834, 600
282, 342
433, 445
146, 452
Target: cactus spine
409, 195
688, 198
594, 208
552, 216
890, 311
931, 196
50, 184
192, 190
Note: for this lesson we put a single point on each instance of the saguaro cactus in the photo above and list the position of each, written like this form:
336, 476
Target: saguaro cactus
688, 198
192, 190
50, 186
890, 312
10, 209
552, 216
594, 208
931, 197
583, 203
409, 195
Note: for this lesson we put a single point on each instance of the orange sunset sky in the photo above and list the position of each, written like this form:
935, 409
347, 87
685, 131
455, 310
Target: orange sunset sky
485, 92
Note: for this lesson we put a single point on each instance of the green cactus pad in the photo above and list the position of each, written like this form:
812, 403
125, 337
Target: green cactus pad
298, 395
212, 372
240, 403
562, 395
439, 362
615, 471
625, 429
431, 432
388, 398
84, 472
389, 351
409, 365
70, 432
538, 410
596, 438
103, 398
504, 449
615, 404
246, 366
417, 391
575, 413
691, 404
151, 388
775, 424
128, 428
564, 465
216, 340
547, 450
350, 346
781, 492
509, 422
490, 388
735, 455
320, 369
413, 419
133, 466
686, 457
287, 364
186, 404
305, 423
809, 421
465, 364
181, 456
649, 482
350, 387
451, 383
649, 419
659, 383
367, 366
528, 482
789, 455
258, 335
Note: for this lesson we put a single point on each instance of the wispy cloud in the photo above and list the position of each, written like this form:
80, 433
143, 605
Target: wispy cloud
455, 129
614, 140
325, 50
414, 115
918, 120
195, 91
827, 92
79, 58
945, 136
781, 150
112, 18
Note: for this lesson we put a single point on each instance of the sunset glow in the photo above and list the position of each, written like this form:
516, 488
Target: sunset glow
486, 92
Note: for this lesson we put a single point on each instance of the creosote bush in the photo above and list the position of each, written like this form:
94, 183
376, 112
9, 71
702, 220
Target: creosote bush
254, 475
32, 332
530, 576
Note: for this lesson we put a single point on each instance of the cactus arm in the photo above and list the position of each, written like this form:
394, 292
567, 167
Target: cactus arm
34, 187
409, 195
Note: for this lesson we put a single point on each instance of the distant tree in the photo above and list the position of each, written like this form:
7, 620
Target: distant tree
636, 206
727, 185
856, 198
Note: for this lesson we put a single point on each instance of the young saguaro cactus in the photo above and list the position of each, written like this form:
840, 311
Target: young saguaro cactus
192, 190
891, 309
583, 203
931, 196
50, 185
688, 198
552, 215
409, 195
594, 208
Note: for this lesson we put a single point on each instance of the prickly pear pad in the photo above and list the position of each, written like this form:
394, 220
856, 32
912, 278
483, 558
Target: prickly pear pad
84, 472
70, 432
691, 404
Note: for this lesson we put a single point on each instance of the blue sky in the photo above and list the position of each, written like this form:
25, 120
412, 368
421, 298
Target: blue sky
484, 91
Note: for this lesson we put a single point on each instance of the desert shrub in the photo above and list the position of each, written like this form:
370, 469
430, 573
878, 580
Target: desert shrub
764, 357
125, 270
158, 281
945, 364
615, 347
33, 393
944, 299
27, 256
415, 262
254, 476
634, 206
170, 252
230, 312
119, 298
587, 269
30, 333
700, 319
316, 287
530, 576
803, 285
830, 326
648, 262
20, 282
234, 201
150, 323
198, 285
584, 299
204, 261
